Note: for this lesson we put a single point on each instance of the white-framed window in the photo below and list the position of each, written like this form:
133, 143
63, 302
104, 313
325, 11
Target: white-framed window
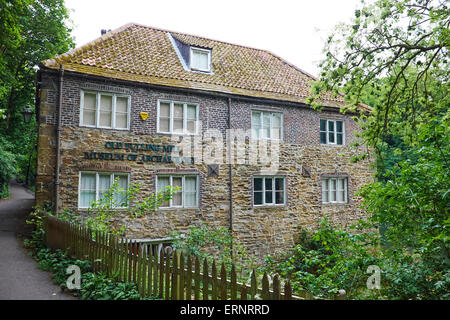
104, 110
334, 190
269, 190
332, 132
200, 59
177, 117
186, 197
267, 125
93, 185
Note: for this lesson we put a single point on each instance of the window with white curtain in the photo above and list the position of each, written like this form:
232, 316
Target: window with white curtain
201, 59
334, 190
105, 110
186, 196
332, 132
177, 117
269, 191
267, 125
94, 185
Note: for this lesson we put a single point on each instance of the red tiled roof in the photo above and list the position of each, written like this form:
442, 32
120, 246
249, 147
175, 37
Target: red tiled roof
139, 53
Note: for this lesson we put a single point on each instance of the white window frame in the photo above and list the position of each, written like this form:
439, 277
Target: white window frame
264, 204
328, 181
97, 191
97, 109
192, 49
262, 112
335, 132
185, 104
183, 177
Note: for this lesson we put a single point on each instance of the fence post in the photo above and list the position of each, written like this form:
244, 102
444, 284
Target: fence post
197, 279
135, 261
205, 280
253, 285
174, 290
189, 278
276, 287
233, 285
243, 293
214, 291
161, 273
181, 280
149, 270
223, 283
287, 291
167, 276
155, 272
265, 287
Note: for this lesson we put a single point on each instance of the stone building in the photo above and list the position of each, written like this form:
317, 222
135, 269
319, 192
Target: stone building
126, 105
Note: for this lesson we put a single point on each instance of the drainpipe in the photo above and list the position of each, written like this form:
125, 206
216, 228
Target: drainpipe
230, 176
58, 138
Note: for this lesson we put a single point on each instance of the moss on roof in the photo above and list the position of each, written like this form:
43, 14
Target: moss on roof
144, 54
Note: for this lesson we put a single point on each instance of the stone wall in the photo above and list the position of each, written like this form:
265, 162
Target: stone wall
262, 230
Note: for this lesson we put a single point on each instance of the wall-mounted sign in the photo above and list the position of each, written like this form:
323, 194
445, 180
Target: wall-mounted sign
144, 115
168, 157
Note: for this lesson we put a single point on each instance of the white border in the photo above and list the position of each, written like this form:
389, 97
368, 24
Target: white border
335, 132
172, 102
329, 179
97, 109
264, 204
183, 176
97, 173
261, 124
209, 70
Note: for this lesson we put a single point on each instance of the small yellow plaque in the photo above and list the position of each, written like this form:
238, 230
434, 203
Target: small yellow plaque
144, 115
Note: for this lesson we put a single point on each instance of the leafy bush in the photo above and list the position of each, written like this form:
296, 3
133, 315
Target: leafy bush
214, 243
325, 261
7, 167
94, 286
100, 287
36, 219
413, 203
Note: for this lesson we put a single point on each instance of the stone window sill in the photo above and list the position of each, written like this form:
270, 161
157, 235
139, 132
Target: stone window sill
268, 206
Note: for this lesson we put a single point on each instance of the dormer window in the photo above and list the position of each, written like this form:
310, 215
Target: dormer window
200, 59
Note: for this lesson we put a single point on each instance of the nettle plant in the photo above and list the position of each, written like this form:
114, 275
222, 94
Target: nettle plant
118, 199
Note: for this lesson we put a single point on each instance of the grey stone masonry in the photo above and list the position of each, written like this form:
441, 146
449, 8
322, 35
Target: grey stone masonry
262, 229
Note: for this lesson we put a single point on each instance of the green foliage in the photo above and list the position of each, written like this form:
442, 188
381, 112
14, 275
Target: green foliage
94, 286
214, 243
7, 167
36, 219
116, 198
414, 204
100, 287
327, 260
30, 32
394, 57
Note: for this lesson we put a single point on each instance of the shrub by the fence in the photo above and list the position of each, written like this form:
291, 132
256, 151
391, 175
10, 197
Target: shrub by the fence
167, 275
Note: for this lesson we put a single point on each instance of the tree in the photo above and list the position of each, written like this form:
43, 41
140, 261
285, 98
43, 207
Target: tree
30, 31
414, 203
394, 57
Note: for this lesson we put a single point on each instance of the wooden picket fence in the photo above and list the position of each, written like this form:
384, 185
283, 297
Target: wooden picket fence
156, 273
